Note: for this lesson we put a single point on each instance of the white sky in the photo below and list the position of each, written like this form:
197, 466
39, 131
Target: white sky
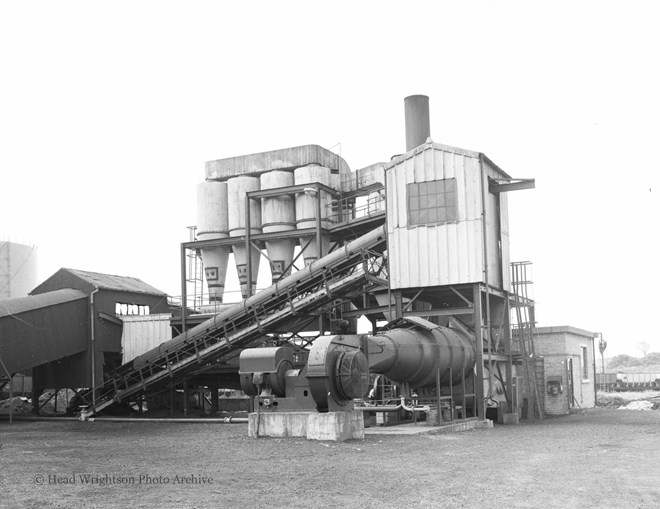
108, 111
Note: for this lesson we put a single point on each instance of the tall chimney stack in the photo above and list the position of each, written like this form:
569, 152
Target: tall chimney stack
418, 125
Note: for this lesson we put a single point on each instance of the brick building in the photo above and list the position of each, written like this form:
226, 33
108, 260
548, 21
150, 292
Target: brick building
568, 365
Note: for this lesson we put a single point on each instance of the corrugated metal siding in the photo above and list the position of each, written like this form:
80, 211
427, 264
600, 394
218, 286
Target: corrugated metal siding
142, 333
497, 227
442, 254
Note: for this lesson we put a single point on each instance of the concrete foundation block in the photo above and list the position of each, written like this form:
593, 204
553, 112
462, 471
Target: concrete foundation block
335, 426
278, 424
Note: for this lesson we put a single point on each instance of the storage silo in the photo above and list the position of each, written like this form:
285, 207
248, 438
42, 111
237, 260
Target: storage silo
213, 223
307, 208
278, 214
18, 269
237, 188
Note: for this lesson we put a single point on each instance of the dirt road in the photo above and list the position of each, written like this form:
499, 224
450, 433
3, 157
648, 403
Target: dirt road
604, 458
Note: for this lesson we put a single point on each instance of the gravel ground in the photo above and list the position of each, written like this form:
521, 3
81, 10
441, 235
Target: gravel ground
602, 458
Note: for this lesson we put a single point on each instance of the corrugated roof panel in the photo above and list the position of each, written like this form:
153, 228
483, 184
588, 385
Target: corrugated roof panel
20, 305
112, 282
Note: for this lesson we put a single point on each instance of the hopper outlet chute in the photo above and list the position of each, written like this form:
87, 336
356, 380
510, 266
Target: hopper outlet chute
240, 257
280, 253
215, 262
310, 250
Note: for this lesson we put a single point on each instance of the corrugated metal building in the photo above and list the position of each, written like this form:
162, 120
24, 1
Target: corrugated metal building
436, 197
69, 330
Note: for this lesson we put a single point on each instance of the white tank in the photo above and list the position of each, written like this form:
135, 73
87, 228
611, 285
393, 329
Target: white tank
213, 223
237, 188
278, 214
307, 208
18, 269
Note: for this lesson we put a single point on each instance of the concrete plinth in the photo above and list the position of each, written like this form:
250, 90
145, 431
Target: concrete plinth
335, 426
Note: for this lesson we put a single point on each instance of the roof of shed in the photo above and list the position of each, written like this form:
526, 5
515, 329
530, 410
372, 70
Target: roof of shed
430, 144
111, 282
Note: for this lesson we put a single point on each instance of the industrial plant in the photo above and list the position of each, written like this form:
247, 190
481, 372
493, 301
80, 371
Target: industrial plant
393, 300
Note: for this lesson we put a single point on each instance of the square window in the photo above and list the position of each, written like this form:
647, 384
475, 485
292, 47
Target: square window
432, 202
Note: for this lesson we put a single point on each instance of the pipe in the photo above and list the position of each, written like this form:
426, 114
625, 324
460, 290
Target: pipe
216, 420
93, 343
391, 408
418, 125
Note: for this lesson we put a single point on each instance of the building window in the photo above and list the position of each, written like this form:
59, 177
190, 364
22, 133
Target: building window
432, 202
125, 309
585, 363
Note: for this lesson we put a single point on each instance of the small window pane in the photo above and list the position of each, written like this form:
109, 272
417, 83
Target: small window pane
423, 202
433, 215
413, 189
414, 203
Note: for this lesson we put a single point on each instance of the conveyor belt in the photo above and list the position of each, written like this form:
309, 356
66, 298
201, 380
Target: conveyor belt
341, 275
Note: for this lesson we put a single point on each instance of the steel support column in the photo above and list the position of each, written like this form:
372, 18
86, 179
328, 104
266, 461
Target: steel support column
479, 351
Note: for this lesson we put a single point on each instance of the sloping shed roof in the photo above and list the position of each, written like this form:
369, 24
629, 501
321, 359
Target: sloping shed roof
447, 148
110, 282
101, 281
18, 305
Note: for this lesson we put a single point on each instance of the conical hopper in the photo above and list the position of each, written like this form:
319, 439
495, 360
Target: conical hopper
241, 267
215, 262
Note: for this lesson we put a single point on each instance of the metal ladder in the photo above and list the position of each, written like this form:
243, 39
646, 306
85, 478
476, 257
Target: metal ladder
340, 276
520, 283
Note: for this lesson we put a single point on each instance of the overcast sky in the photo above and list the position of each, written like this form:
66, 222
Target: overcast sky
109, 110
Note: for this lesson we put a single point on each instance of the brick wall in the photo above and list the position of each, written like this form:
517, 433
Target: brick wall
557, 345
